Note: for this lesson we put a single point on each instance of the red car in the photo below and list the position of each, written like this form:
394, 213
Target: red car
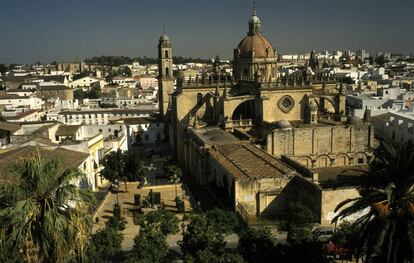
335, 250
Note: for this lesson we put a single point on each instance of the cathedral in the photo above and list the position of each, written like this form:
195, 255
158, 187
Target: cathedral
264, 140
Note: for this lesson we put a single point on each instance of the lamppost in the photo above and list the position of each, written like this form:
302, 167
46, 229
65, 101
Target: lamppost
115, 185
152, 168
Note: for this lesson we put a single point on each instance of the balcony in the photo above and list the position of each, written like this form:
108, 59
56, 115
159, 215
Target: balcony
242, 123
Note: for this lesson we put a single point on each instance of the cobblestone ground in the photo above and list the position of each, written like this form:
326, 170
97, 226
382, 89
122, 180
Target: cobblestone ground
126, 200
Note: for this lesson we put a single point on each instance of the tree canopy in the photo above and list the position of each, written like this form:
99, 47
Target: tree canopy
122, 167
43, 214
150, 245
104, 244
94, 93
202, 237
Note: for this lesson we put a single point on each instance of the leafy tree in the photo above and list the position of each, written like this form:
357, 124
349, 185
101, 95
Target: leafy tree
79, 94
387, 197
124, 72
3, 69
174, 175
43, 213
94, 93
257, 245
150, 246
125, 167
202, 237
162, 220
300, 220
110, 76
371, 60
116, 223
347, 80
346, 235
233, 258
7, 252
82, 75
115, 61
113, 164
310, 252
225, 221
106, 105
380, 61
134, 169
104, 244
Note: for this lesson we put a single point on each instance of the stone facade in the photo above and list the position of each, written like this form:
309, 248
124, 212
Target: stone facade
323, 146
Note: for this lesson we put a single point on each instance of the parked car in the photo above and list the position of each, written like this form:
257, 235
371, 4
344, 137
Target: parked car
323, 234
337, 251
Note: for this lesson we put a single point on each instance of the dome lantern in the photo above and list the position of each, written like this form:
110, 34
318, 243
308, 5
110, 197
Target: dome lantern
254, 24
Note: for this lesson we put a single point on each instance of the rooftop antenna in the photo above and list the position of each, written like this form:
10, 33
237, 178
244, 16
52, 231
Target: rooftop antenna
163, 29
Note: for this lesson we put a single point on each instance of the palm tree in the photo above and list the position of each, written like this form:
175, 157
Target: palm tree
44, 214
387, 198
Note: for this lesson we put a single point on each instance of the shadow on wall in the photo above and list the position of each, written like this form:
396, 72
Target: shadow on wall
298, 191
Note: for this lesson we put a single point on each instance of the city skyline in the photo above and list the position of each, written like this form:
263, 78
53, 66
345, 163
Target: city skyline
46, 31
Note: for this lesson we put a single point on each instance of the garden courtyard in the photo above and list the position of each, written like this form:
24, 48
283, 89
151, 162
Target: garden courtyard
126, 201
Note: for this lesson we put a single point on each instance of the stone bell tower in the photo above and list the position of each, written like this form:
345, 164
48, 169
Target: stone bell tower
165, 75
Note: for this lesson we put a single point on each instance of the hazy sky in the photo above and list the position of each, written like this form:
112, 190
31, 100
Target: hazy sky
48, 30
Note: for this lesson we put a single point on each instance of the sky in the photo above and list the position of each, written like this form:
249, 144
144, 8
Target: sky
57, 30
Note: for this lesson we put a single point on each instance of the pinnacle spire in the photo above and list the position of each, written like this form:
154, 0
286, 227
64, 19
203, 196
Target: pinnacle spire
254, 8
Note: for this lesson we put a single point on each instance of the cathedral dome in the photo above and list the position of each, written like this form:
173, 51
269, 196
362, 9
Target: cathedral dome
257, 42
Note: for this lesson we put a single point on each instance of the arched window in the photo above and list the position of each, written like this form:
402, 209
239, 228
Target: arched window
166, 53
199, 99
167, 72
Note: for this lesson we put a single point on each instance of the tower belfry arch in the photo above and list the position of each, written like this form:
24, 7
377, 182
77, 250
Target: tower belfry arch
165, 74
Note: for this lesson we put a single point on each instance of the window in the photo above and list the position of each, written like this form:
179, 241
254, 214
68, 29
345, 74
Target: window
100, 130
286, 103
166, 53
360, 160
167, 72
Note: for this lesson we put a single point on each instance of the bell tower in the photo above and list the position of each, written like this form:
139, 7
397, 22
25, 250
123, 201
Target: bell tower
165, 75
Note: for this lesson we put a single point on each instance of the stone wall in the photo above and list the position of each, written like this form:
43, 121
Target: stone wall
324, 146
330, 200
298, 190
